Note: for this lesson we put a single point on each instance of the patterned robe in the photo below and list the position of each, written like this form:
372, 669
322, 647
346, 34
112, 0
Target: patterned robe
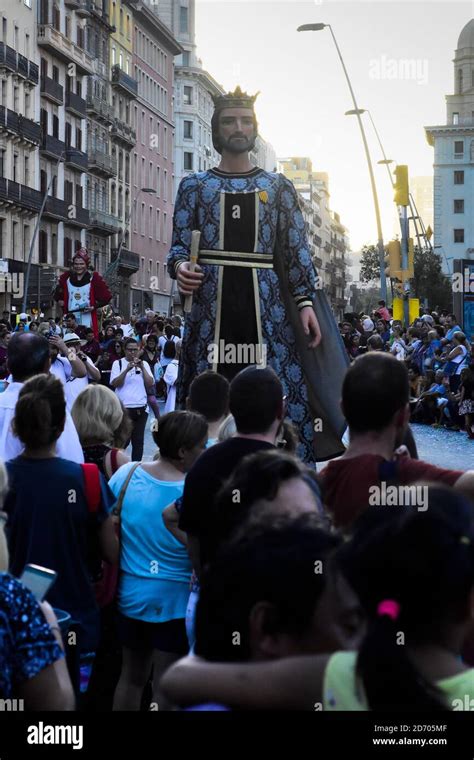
255, 306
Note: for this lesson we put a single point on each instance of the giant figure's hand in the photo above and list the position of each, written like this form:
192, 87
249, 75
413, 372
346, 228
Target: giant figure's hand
188, 281
311, 326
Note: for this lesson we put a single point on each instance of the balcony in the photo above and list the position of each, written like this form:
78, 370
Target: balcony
317, 240
330, 267
124, 82
102, 110
77, 216
129, 262
82, 7
76, 105
102, 223
19, 126
317, 220
102, 163
56, 209
99, 9
52, 90
16, 63
318, 262
328, 247
76, 159
122, 133
52, 147
19, 197
61, 47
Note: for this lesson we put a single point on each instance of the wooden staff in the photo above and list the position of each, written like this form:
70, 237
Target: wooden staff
195, 237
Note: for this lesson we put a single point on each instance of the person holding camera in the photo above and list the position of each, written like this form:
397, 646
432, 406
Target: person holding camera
77, 381
132, 379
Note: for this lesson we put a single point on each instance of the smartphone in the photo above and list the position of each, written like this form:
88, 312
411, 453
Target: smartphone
38, 579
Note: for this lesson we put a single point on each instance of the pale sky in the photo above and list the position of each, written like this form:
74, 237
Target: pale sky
399, 59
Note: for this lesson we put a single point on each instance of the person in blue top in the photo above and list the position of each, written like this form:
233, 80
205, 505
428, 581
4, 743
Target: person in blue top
49, 520
155, 567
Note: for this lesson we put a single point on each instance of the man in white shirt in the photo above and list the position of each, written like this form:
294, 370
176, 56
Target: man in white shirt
132, 380
28, 355
126, 328
78, 380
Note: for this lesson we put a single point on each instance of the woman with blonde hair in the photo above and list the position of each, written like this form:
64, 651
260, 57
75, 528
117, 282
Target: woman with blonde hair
103, 426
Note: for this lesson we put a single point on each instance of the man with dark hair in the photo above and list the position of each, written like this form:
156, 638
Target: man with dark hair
255, 431
375, 402
209, 396
267, 482
263, 584
29, 355
256, 298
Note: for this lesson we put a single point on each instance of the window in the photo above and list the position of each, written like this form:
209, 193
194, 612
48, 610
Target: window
121, 60
459, 206
2, 162
165, 227
165, 142
459, 178
114, 56
188, 95
27, 45
188, 130
143, 128
16, 92
26, 242
185, 61
43, 247
188, 162
158, 221
121, 21
183, 20
157, 275
150, 221
142, 221
165, 185
15, 167
455, 118
67, 251
459, 236
458, 148
26, 171
142, 175
142, 270
149, 182
15, 38
158, 180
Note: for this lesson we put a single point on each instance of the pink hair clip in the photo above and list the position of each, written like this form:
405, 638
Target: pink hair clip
389, 607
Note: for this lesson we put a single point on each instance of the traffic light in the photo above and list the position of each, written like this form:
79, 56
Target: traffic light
394, 260
407, 274
401, 186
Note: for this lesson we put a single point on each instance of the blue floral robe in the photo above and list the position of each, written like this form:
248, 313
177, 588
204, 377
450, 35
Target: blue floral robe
281, 232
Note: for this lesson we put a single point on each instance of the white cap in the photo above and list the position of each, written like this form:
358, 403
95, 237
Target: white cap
368, 324
23, 315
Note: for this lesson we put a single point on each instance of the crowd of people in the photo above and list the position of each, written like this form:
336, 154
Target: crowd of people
281, 587
437, 354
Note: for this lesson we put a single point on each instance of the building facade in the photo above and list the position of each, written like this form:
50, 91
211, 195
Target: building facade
326, 234
453, 143
20, 137
154, 48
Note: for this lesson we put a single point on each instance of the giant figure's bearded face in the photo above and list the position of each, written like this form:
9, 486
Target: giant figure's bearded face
237, 130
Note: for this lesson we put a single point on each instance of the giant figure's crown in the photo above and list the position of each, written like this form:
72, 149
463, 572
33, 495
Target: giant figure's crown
236, 99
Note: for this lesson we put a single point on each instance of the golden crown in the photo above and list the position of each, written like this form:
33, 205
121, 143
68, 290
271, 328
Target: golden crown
236, 99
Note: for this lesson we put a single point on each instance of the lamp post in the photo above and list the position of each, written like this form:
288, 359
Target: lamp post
357, 112
35, 231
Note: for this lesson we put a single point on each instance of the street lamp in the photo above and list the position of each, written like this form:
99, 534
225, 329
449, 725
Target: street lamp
35, 231
357, 112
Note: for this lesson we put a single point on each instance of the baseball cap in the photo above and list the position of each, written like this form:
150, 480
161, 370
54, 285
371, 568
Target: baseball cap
368, 324
23, 316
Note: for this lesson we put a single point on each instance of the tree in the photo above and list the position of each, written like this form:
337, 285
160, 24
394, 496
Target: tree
369, 264
429, 282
